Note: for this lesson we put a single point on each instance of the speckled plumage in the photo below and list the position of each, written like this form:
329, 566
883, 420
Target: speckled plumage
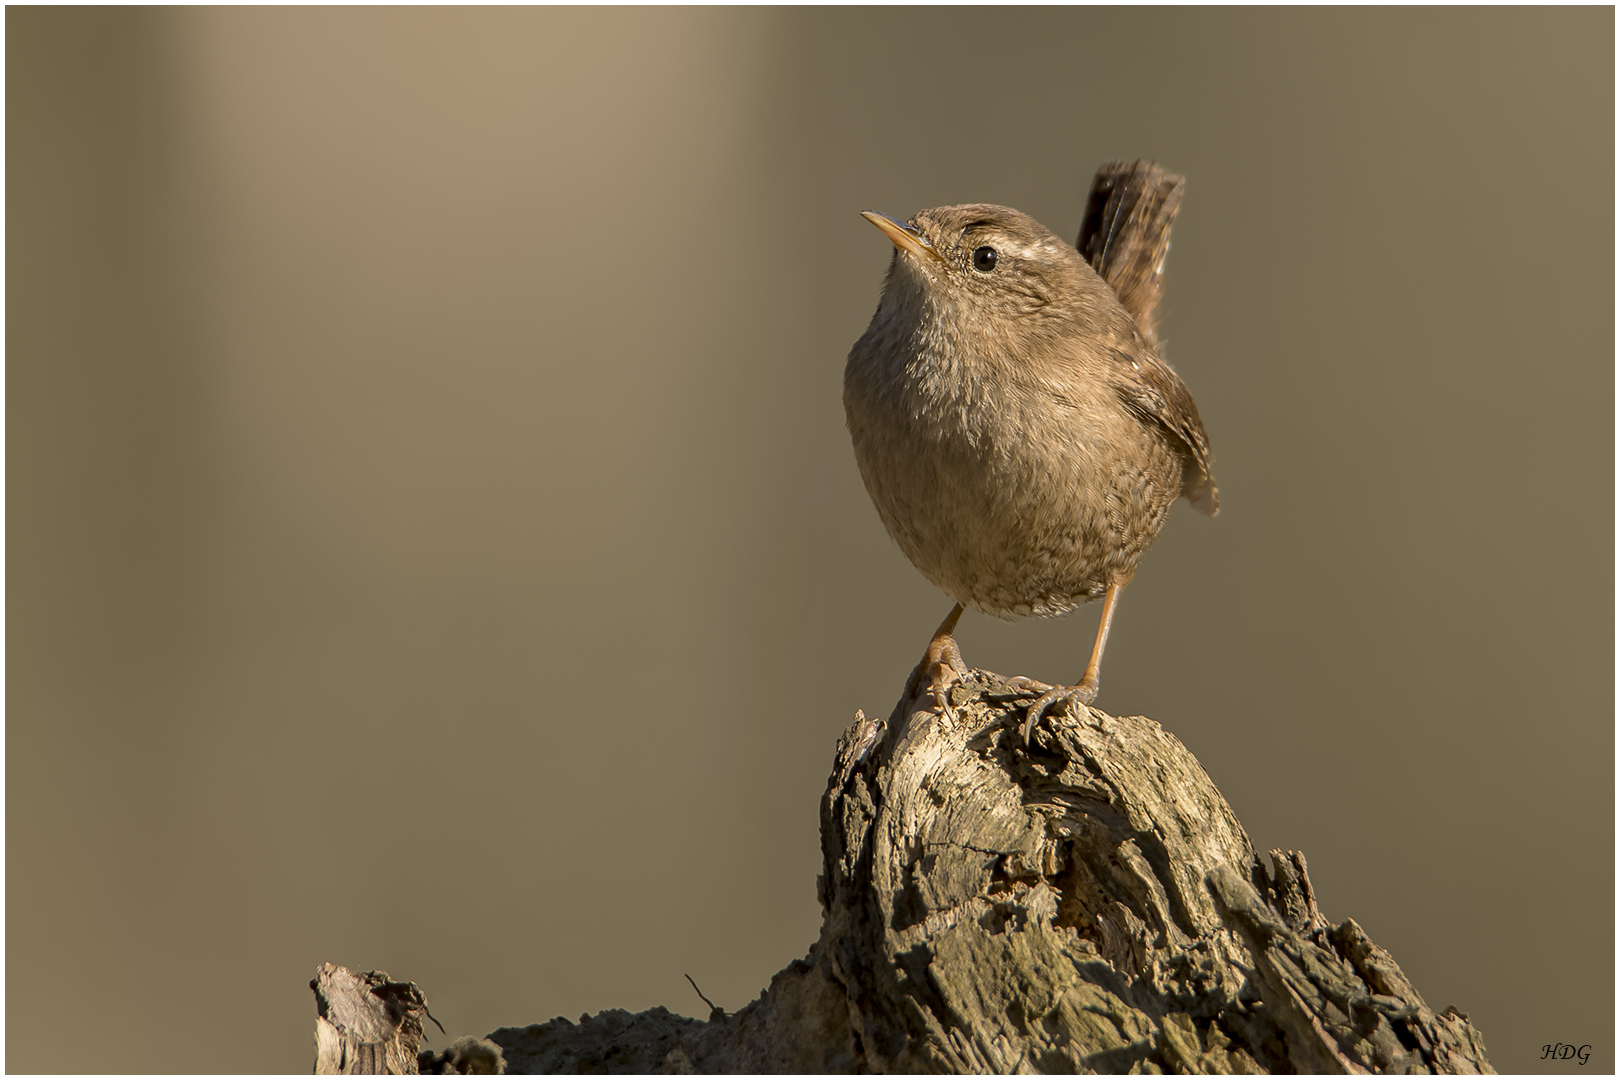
1020, 438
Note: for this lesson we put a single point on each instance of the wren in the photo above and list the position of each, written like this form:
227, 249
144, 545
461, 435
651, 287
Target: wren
1019, 434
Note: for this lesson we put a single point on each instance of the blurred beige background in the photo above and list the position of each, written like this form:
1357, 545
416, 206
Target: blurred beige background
434, 545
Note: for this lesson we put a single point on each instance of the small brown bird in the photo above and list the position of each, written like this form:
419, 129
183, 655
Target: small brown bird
1020, 437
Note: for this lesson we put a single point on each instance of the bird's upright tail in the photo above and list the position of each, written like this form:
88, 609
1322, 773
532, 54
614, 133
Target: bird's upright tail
1125, 235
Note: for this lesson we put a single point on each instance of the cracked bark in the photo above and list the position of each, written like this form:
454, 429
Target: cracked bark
1088, 903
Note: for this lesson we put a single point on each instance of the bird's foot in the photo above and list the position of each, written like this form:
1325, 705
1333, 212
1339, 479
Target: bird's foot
1070, 697
940, 666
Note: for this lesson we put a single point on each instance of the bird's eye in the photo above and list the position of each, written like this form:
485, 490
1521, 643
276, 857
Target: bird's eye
984, 259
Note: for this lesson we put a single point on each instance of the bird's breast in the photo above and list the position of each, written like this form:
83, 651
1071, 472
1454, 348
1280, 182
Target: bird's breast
1004, 489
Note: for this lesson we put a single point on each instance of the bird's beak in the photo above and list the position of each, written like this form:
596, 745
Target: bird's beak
905, 238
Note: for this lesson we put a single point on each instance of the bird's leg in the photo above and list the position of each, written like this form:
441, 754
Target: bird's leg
1086, 692
940, 663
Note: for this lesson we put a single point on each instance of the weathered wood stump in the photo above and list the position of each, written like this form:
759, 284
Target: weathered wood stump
368, 1024
1088, 903
365, 1023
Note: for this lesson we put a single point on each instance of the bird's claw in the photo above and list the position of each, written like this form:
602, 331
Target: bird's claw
940, 666
1071, 696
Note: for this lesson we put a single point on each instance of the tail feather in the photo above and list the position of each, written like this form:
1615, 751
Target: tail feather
1125, 235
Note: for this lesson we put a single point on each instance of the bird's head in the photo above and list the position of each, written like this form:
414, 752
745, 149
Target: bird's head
980, 261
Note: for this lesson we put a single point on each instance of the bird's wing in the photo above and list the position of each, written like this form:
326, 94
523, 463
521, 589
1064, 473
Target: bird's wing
1149, 388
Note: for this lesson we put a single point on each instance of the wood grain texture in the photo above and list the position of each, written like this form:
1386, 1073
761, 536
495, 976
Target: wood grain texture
366, 1022
1088, 903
